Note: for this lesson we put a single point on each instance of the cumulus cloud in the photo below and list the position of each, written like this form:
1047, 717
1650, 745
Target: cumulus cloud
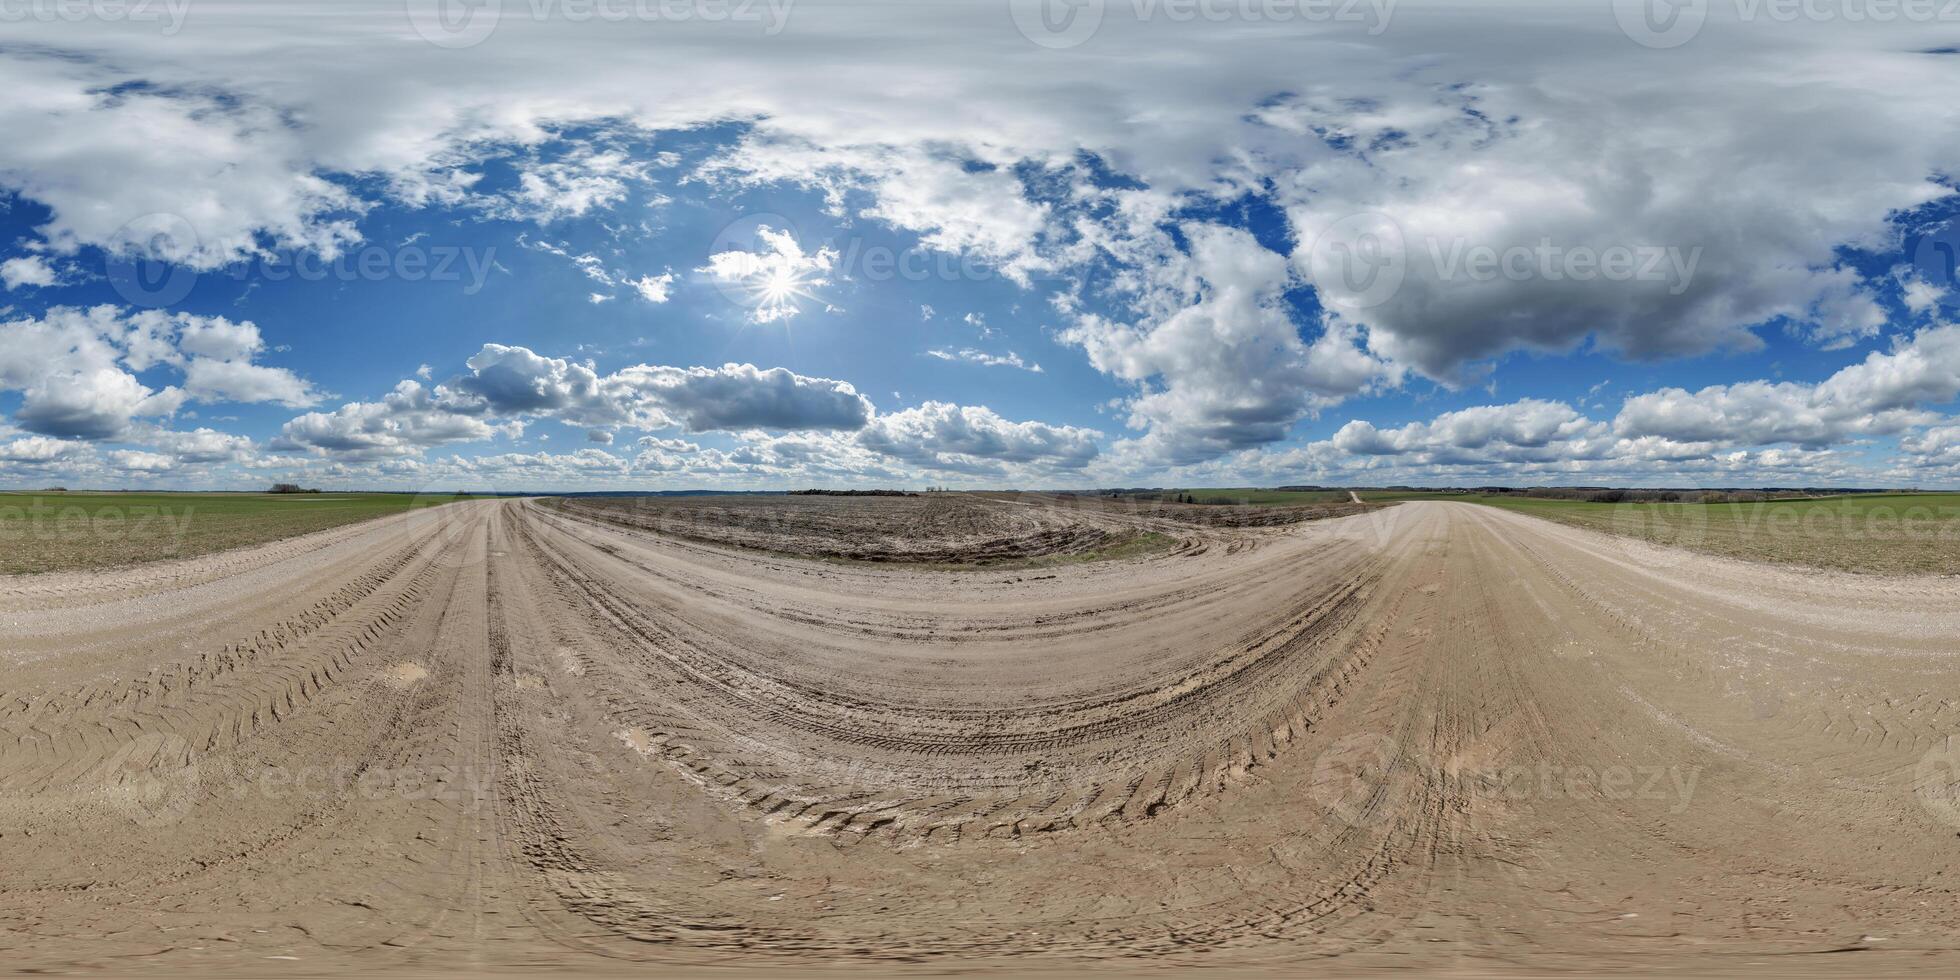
197, 446
570, 186
406, 422
1218, 361
35, 449
743, 396
1526, 431
136, 461
942, 436
76, 369
26, 270
506, 385
1884, 394
653, 289
68, 366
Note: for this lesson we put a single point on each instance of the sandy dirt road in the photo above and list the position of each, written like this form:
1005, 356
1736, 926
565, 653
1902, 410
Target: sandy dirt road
493, 735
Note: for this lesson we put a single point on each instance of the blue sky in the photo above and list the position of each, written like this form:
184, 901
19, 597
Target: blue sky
870, 245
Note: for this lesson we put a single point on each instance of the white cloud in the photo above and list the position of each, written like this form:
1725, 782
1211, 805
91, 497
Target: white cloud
972, 356
198, 446
507, 385
941, 436
1884, 394
571, 186
35, 449
211, 380
653, 289
406, 422
27, 270
1216, 356
134, 461
1921, 296
67, 366
743, 396
1527, 431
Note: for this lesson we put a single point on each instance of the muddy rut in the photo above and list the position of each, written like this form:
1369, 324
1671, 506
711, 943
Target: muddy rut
497, 734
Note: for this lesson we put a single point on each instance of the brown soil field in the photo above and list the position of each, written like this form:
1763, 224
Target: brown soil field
503, 736
957, 529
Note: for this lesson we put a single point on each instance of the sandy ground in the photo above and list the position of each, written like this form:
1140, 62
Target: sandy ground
493, 736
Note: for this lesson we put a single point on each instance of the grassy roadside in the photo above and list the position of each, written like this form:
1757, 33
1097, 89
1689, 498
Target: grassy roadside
46, 532
1891, 533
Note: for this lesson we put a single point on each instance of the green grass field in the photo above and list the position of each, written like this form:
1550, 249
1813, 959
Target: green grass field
42, 532
1916, 533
